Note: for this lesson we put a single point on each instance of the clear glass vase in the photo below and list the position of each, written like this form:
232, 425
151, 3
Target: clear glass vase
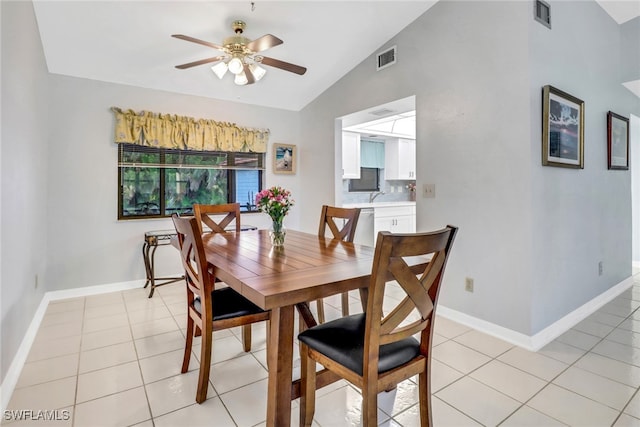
277, 233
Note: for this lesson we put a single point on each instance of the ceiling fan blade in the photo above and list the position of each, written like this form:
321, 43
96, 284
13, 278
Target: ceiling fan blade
202, 61
263, 43
283, 65
247, 72
194, 40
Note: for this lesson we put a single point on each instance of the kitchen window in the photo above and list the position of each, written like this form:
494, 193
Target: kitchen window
157, 182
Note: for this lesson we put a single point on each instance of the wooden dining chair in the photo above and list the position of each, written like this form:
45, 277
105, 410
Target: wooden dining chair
375, 351
205, 215
204, 212
209, 309
346, 232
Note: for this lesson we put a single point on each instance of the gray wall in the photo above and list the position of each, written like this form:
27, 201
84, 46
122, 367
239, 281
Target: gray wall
630, 51
89, 245
530, 236
24, 152
580, 217
634, 158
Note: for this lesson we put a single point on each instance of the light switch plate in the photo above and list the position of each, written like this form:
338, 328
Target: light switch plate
429, 191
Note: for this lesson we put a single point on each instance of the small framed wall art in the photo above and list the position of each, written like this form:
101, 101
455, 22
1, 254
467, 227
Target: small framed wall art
617, 141
562, 129
285, 158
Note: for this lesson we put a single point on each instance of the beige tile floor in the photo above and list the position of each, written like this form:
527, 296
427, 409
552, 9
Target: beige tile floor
114, 360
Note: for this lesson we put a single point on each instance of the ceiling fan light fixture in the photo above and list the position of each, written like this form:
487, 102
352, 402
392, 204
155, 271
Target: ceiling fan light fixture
241, 79
257, 71
241, 56
235, 65
220, 69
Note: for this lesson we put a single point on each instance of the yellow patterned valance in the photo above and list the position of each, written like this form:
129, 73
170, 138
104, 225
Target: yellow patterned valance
186, 133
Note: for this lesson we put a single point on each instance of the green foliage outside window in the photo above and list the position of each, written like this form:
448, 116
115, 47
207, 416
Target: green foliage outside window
159, 182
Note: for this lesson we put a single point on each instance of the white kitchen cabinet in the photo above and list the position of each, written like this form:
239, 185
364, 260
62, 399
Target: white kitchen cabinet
396, 219
399, 159
364, 228
350, 155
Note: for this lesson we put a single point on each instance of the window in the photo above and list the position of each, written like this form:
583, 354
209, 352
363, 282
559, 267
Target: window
157, 182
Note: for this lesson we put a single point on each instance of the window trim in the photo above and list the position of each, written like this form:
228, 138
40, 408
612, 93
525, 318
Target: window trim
162, 165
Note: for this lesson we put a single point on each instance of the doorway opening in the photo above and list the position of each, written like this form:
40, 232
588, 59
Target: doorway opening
376, 147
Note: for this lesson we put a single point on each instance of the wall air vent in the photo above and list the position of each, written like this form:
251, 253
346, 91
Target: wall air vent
542, 12
383, 112
386, 58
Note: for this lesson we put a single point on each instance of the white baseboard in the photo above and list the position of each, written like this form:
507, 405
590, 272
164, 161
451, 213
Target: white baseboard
11, 379
94, 290
548, 334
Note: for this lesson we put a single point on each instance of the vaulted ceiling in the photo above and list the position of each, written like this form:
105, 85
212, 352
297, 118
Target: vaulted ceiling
129, 42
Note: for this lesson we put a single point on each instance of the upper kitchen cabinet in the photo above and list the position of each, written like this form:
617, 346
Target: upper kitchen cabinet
350, 155
400, 159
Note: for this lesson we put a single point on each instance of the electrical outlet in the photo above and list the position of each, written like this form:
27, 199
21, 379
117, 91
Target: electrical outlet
393, 189
429, 190
600, 269
468, 284
400, 189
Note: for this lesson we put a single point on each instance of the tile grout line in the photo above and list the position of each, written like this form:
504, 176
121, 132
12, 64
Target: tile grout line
135, 349
75, 396
567, 368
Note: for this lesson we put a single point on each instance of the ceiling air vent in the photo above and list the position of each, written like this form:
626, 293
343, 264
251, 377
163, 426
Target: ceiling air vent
386, 58
382, 112
542, 12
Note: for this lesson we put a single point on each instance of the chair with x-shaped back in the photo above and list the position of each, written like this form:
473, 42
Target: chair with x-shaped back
205, 215
345, 231
373, 350
208, 309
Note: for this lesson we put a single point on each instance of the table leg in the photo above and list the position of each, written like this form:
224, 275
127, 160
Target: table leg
152, 270
145, 258
280, 358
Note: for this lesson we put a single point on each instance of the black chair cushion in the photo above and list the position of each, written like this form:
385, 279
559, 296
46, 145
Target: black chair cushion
343, 341
227, 304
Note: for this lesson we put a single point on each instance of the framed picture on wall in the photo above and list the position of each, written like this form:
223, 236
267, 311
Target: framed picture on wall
562, 129
285, 158
617, 141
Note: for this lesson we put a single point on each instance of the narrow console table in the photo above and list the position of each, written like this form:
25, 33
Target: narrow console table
155, 238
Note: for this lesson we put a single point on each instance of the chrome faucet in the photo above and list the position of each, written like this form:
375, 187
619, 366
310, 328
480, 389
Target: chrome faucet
375, 194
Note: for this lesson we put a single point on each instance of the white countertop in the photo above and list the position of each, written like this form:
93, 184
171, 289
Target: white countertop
377, 204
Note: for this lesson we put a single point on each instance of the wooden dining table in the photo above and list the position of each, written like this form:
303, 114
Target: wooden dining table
280, 279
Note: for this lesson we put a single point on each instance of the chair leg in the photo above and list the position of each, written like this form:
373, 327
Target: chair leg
369, 406
198, 332
246, 338
205, 365
320, 305
345, 304
187, 345
425, 399
307, 387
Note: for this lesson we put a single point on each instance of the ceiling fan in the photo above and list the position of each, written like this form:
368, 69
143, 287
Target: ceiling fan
241, 56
